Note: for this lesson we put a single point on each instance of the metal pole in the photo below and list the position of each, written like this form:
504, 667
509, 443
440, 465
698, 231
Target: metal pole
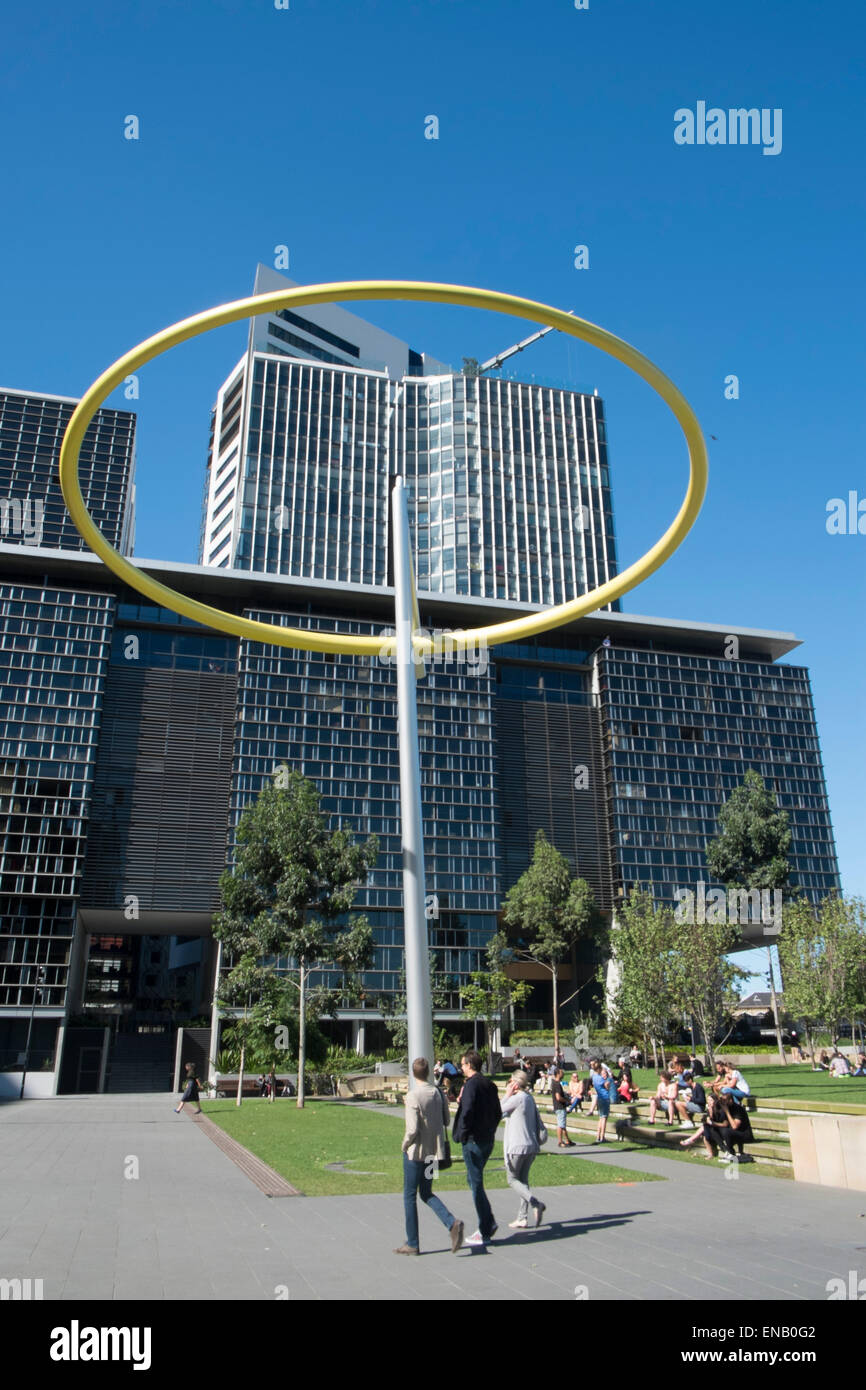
40, 976
419, 1007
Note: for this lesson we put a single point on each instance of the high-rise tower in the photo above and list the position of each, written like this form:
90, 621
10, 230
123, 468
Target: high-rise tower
509, 482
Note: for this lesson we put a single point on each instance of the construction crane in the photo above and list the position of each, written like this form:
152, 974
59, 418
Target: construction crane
493, 363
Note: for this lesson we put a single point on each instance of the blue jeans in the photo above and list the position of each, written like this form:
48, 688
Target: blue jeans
416, 1184
475, 1156
732, 1091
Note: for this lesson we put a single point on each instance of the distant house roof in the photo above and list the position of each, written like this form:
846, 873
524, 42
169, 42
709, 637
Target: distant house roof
758, 1000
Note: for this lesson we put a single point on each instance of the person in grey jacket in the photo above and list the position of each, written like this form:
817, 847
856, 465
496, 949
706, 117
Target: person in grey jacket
522, 1123
427, 1117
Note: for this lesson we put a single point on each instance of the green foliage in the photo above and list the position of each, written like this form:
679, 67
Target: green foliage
491, 992
822, 954
289, 894
551, 910
705, 983
751, 849
643, 945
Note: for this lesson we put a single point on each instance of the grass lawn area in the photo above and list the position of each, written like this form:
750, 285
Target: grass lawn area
300, 1143
797, 1081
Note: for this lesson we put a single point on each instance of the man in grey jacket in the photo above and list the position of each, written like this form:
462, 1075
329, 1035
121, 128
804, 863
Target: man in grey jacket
427, 1117
522, 1128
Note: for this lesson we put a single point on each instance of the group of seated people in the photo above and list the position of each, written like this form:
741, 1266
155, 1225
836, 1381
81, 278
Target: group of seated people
716, 1112
838, 1065
581, 1090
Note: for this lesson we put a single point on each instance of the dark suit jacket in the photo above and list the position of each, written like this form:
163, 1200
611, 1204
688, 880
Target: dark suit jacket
479, 1111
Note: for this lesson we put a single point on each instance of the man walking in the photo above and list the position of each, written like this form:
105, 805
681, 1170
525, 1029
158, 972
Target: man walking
427, 1117
475, 1123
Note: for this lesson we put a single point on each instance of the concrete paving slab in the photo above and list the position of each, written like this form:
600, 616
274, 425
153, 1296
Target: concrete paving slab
191, 1225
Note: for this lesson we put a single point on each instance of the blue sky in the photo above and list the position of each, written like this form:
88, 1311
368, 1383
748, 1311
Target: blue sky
305, 127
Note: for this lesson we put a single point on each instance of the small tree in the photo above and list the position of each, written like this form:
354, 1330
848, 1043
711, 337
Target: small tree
642, 944
751, 851
704, 981
492, 991
289, 894
823, 955
552, 910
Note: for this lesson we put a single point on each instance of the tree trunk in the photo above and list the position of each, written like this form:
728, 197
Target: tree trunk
555, 1012
810, 1044
655, 1055
302, 1036
776, 1008
241, 1074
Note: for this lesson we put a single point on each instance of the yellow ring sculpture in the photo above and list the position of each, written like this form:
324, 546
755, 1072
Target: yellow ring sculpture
467, 297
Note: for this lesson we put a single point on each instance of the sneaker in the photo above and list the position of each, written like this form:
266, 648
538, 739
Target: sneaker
456, 1236
539, 1213
407, 1250
475, 1239
687, 1124
519, 1225
725, 1158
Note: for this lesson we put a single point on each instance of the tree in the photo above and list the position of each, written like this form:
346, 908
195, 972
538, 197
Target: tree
751, 851
552, 910
642, 943
823, 956
492, 991
703, 980
289, 893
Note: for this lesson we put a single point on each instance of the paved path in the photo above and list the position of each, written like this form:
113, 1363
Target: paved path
193, 1225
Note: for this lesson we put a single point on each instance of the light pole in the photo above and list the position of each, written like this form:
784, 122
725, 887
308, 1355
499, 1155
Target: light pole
419, 1006
40, 980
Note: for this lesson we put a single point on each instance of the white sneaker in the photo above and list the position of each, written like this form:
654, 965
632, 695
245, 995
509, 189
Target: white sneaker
519, 1225
687, 1124
475, 1239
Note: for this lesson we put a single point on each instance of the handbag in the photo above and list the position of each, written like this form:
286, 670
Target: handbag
543, 1135
446, 1161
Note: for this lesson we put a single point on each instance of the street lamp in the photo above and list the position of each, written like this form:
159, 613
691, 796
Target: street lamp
40, 980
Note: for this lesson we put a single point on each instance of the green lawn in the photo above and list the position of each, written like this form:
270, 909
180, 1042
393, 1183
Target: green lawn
793, 1082
300, 1143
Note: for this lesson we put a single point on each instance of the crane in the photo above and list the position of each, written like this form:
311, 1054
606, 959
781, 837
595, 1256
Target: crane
493, 363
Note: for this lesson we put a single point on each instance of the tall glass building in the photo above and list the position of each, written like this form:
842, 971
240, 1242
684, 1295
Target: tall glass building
133, 739
509, 483
32, 510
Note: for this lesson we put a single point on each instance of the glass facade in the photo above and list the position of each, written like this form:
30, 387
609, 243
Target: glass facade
32, 510
53, 656
125, 765
681, 731
335, 721
509, 484
510, 488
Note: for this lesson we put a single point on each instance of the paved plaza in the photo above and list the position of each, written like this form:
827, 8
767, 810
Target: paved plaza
193, 1225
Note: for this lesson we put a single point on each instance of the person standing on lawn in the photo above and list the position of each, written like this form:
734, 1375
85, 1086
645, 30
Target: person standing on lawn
560, 1110
475, 1124
427, 1116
